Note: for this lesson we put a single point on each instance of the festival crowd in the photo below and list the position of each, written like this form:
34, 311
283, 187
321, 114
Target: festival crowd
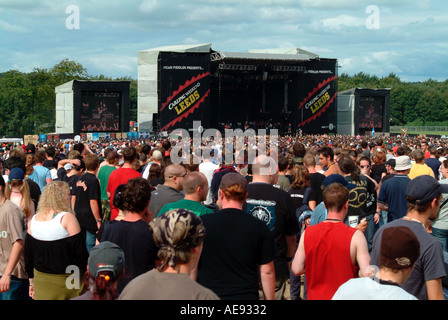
314, 217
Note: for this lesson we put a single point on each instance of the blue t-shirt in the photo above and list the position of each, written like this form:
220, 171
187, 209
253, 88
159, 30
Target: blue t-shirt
393, 193
319, 214
40, 176
434, 164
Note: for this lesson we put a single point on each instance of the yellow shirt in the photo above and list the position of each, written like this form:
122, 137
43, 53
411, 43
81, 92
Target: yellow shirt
419, 170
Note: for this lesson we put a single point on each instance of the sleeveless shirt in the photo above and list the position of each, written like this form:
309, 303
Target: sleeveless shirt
327, 259
49, 230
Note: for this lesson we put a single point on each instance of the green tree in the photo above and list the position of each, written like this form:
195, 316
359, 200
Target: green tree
67, 70
15, 100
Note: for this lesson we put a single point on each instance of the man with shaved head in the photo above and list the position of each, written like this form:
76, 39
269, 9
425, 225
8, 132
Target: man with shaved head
171, 189
275, 208
195, 187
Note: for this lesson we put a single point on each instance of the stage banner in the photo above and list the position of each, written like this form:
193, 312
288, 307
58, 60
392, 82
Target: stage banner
95, 136
34, 139
184, 82
133, 135
144, 135
317, 112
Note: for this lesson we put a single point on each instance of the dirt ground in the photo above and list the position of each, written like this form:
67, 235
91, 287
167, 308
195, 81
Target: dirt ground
287, 293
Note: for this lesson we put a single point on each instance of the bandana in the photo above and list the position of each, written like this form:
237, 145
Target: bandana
166, 229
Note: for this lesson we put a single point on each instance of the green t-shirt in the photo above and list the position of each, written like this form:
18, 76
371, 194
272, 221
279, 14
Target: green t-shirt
103, 177
191, 205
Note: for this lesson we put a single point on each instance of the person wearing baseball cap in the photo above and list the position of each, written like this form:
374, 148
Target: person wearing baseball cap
423, 195
320, 212
17, 190
105, 266
399, 251
392, 197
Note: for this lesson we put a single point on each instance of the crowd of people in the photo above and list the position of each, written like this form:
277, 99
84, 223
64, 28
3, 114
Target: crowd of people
124, 219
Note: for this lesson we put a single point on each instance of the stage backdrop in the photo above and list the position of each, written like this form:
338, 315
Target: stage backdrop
184, 84
316, 90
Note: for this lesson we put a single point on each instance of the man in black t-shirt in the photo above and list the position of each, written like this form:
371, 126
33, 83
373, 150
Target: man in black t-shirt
227, 267
69, 170
87, 200
50, 163
276, 209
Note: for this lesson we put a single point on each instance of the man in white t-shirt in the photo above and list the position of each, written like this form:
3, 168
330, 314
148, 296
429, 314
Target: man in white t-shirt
400, 249
207, 167
156, 157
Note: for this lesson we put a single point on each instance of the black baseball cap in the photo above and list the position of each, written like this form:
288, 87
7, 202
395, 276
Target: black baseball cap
425, 188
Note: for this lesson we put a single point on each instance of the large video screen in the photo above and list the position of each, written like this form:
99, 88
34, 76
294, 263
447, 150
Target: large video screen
100, 111
371, 112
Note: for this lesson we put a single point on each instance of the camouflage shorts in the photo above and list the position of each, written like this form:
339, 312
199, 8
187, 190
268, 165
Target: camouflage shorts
105, 204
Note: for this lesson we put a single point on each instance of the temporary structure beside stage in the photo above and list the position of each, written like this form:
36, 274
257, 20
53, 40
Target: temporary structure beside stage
363, 110
92, 106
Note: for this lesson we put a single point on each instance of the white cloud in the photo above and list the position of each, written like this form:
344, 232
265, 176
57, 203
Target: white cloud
113, 65
281, 14
410, 41
342, 21
8, 27
148, 6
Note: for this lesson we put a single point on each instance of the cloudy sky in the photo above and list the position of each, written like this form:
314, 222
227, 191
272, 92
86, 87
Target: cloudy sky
406, 37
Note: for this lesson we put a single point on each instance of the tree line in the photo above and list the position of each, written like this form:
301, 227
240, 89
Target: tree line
411, 103
27, 100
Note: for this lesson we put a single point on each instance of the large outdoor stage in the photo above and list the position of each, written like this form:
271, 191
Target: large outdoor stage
290, 89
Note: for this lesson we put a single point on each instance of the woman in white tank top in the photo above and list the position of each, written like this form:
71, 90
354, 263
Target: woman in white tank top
54, 243
49, 229
54, 213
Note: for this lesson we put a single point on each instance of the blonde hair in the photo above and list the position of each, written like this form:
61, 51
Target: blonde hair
56, 197
24, 191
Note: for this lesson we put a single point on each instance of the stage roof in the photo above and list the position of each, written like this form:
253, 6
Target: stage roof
183, 48
263, 55
285, 54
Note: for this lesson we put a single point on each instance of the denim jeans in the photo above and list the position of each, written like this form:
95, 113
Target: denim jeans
90, 240
18, 290
372, 227
383, 218
442, 235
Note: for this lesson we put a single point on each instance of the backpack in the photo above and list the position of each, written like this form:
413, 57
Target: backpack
304, 212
